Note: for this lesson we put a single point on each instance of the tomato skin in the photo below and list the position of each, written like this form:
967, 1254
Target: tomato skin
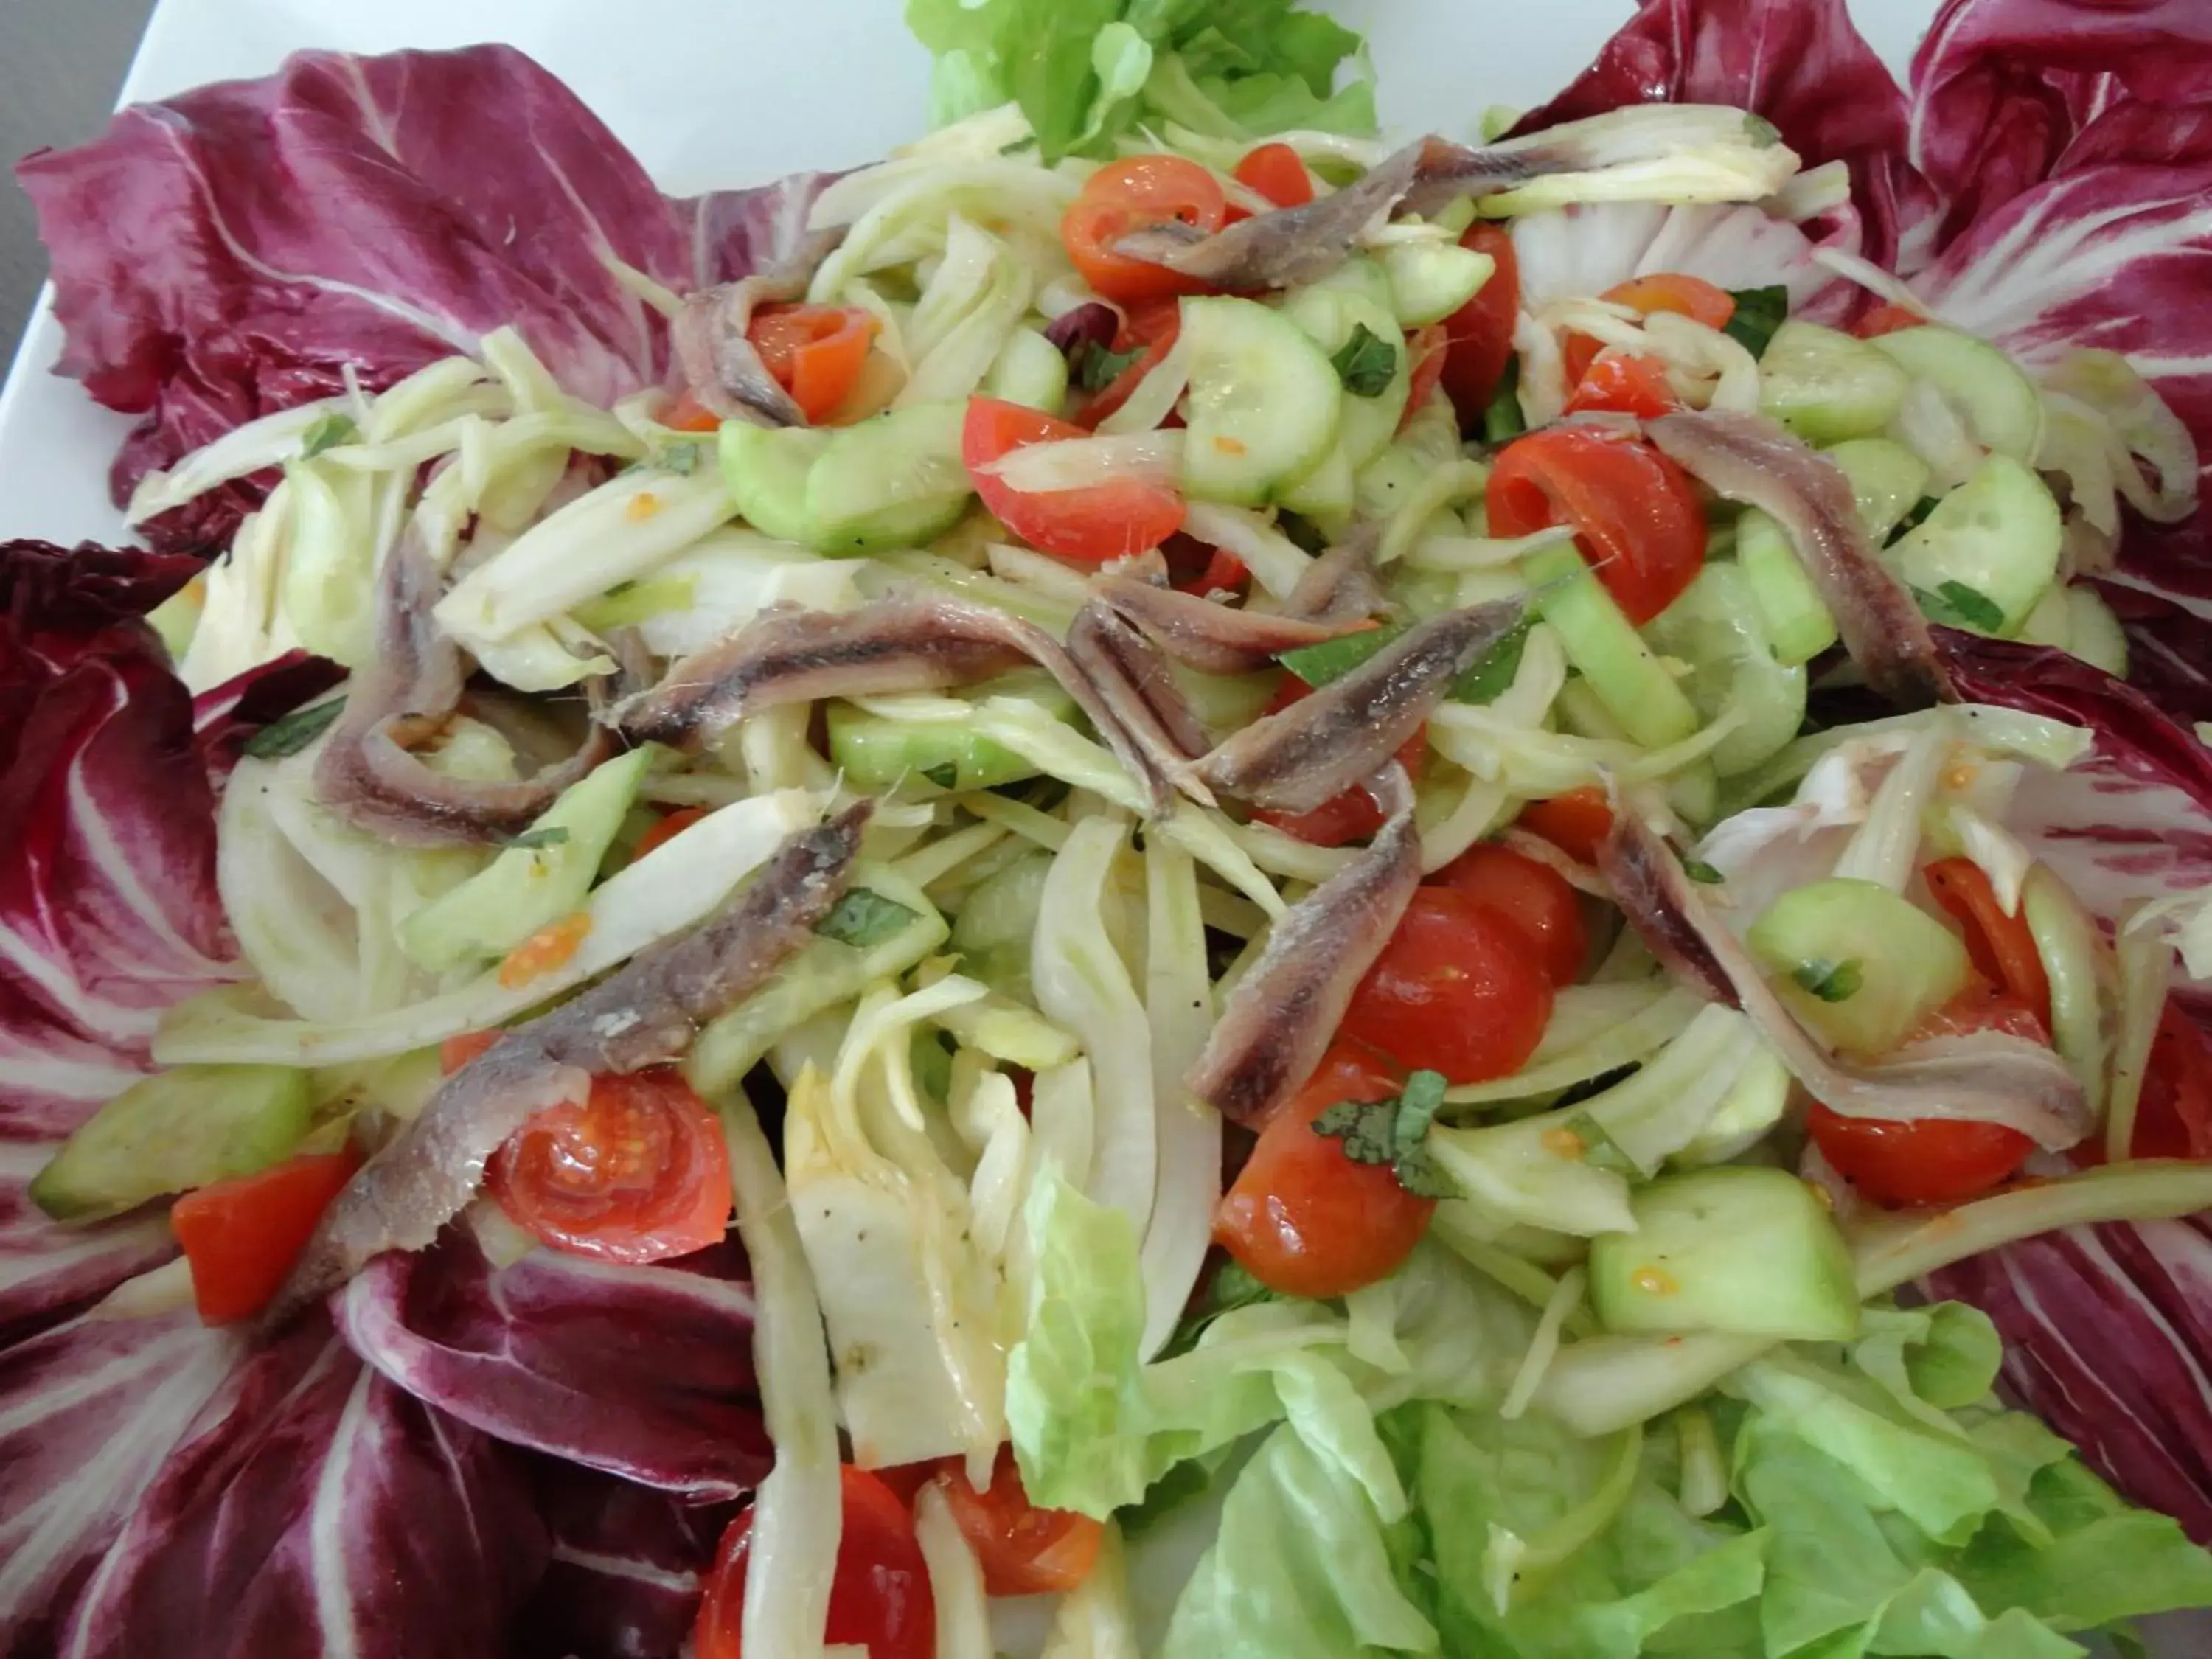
1532, 897
1694, 297
685, 413
1636, 514
1156, 327
1023, 1550
2001, 946
1277, 173
1575, 823
815, 352
1887, 319
2173, 1117
1346, 817
1427, 349
1932, 1160
637, 1172
1624, 383
456, 1052
1458, 990
1301, 1217
880, 1598
1479, 336
1095, 525
1138, 193
666, 828
1194, 568
241, 1236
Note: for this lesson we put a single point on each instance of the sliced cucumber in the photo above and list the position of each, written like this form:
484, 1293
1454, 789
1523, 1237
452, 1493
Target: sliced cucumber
894, 480
1743, 1249
1827, 386
1754, 1104
1028, 370
176, 1130
766, 468
1332, 317
1606, 649
1327, 494
1718, 628
1263, 405
1860, 964
1998, 534
875, 753
1362, 276
1798, 625
1428, 281
1887, 481
2000, 404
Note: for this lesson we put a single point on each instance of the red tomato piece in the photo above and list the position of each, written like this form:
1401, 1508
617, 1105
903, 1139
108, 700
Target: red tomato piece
879, 1600
1301, 1217
1933, 1160
637, 1172
1458, 990
1094, 525
1427, 349
1575, 823
1694, 297
1624, 383
1346, 818
1276, 172
1479, 336
2173, 1117
1023, 1550
2001, 946
241, 1236
688, 414
1138, 193
1887, 319
670, 826
1156, 327
1196, 567
1635, 512
1532, 897
456, 1052
815, 352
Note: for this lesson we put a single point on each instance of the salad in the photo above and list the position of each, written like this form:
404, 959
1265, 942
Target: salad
1165, 880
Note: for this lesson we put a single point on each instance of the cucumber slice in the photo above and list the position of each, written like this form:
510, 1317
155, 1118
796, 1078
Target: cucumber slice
765, 469
1694, 793
1428, 281
1827, 386
1263, 405
1606, 649
995, 924
875, 753
1753, 1105
1031, 371
1718, 627
1362, 275
1327, 494
1332, 317
1999, 534
176, 1130
1796, 619
895, 480
1887, 481
2000, 406
1860, 965
1748, 1251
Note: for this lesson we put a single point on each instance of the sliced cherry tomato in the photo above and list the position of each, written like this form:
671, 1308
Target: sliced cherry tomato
1694, 297
1636, 513
1575, 823
1156, 327
1023, 1550
456, 1052
1479, 334
688, 414
1426, 349
242, 1235
1346, 818
879, 1600
1196, 567
1138, 193
815, 352
2174, 1118
1095, 525
1301, 1217
1624, 383
1276, 172
1534, 897
637, 1172
1933, 1160
2001, 946
666, 830
1887, 319
1459, 989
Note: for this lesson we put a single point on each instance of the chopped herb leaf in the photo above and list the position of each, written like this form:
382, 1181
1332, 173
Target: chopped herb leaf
943, 776
1957, 605
327, 432
1365, 1127
1417, 1108
1503, 420
1759, 312
1765, 135
294, 732
1366, 362
1600, 1150
1831, 981
863, 919
1395, 1132
1911, 521
551, 834
1096, 367
1699, 870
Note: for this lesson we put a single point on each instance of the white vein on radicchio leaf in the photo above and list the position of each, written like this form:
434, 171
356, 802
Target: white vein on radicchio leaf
624, 1571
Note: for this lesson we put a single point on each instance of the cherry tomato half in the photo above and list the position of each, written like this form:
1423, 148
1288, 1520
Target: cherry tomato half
1138, 193
240, 1236
1458, 989
1933, 1160
1694, 297
1534, 897
1277, 173
1624, 383
1635, 512
1304, 1219
2001, 946
1348, 817
1479, 336
815, 352
1427, 349
1023, 1550
1575, 823
880, 1598
638, 1172
1094, 525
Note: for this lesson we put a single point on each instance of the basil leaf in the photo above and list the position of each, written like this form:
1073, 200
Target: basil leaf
1759, 312
864, 919
294, 731
1366, 362
1831, 981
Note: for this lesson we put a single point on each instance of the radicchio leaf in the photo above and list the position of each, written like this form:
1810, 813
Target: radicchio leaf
644, 1372
625, 1572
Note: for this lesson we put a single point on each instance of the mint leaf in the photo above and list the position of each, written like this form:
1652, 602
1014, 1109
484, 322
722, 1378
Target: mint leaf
1366, 362
1395, 1133
1831, 981
1417, 1108
1367, 1128
1759, 312
1964, 607
294, 731
864, 919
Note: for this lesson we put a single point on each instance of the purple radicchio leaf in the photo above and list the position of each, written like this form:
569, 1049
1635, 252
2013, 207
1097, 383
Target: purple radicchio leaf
625, 1571
734, 233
